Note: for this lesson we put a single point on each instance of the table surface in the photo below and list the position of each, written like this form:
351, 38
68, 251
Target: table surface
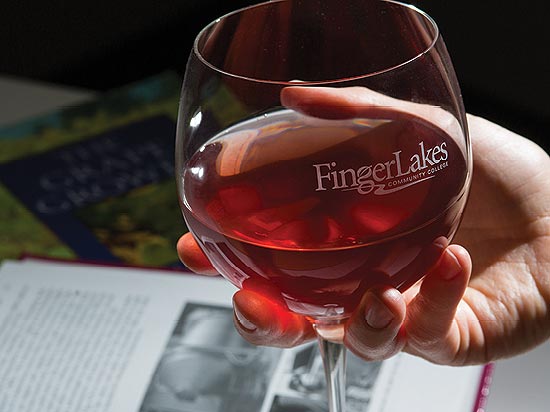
521, 383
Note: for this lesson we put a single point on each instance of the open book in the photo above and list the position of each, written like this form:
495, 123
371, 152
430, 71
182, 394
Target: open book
77, 337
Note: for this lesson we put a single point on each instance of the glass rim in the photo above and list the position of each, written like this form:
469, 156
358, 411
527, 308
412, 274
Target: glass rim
411, 7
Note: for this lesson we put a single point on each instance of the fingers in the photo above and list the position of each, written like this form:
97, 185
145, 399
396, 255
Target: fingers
359, 102
337, 103
384, 324
430, 324
264, 322
374, 331
259, 320
193, 257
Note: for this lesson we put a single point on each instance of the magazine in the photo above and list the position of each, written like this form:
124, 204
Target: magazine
76, 337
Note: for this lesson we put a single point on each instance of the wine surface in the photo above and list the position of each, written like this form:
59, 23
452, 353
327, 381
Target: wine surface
312, 213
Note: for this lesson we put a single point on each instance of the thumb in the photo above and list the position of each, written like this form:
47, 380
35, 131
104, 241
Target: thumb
432, 330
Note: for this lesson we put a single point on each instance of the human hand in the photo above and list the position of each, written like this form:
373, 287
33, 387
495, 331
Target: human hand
449, 318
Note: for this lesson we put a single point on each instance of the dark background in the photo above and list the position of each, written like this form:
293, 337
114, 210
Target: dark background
499, 47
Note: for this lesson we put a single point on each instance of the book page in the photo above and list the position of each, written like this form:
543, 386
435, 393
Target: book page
84, 339
91, 338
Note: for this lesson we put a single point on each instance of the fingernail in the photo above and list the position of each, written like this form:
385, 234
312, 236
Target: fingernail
377, 315
454, 267
244, 322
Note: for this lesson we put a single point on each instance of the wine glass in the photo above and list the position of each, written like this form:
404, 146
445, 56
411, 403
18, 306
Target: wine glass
322, 149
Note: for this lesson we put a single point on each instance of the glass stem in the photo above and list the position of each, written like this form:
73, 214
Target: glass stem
334, 362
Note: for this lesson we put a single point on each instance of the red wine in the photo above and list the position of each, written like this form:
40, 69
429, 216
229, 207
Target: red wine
313, 213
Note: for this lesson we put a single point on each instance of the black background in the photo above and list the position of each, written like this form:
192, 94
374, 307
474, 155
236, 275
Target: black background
499, 47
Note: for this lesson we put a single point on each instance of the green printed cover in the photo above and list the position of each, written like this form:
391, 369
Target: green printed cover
71, 185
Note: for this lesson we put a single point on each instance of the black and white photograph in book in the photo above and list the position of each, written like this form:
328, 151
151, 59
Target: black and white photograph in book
208, 367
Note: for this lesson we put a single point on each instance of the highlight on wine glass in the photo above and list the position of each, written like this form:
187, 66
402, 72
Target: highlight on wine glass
322, 149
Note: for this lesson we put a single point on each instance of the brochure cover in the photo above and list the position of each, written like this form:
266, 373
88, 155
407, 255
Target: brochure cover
95, 181
110, 197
